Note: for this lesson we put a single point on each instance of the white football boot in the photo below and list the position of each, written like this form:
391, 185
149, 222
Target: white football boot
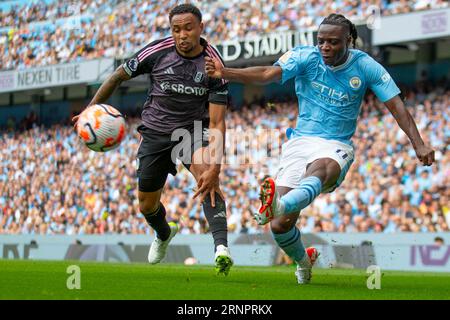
223, 260
304, 267
158, 248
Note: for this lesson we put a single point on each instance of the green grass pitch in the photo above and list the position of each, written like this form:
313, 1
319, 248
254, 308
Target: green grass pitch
24, 279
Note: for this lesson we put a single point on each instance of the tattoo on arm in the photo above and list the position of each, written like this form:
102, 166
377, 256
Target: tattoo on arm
109, 86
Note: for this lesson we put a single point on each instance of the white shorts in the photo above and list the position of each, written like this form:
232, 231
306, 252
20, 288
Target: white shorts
298, 152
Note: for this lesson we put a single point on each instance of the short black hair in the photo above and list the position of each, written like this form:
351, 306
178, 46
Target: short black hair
185, 8
340, 20
439, 239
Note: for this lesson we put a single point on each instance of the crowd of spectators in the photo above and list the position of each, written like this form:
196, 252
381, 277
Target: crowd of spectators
52, 184
26, 12
41, 33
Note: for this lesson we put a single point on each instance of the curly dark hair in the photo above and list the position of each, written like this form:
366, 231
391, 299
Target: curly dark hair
340, 20
185, 8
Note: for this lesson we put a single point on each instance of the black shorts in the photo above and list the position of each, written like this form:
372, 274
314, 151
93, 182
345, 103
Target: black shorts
157, 154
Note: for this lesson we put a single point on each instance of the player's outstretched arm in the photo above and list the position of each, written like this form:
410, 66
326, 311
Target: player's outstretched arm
109, 86
106, 89
257, 75
407, 124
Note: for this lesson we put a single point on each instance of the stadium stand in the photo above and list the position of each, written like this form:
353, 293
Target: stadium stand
386, 191
35, 33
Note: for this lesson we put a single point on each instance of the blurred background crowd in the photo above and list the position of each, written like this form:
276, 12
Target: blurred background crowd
36, 33
52, 184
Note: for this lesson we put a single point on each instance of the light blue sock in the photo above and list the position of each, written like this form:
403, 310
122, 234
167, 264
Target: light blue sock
291, 243
298, 199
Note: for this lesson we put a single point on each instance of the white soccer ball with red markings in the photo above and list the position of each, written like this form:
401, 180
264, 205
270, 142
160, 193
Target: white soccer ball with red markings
101, 127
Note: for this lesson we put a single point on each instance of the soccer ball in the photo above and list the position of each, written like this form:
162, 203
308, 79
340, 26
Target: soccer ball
101, 127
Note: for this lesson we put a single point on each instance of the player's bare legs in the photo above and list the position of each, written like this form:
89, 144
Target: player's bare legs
155, 214
284, 223
322, 172
149, 201
215, 213
326, 169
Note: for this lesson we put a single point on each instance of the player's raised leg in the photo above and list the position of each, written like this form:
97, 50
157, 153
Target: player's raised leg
321, 174
289, 239
282, 206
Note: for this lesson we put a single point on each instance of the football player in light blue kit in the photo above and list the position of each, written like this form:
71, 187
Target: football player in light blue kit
330, 81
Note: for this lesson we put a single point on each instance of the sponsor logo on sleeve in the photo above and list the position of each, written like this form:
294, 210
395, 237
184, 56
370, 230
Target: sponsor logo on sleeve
133, 64
285, 57
385, 77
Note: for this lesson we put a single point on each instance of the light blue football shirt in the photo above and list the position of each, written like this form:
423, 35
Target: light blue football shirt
330, 98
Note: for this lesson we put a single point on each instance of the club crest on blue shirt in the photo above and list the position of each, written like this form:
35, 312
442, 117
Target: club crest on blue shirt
199, 77
355, 82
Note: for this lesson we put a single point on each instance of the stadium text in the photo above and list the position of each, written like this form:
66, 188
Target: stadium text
6, 80
267, 45
12, 250
430, 255
47, 76
55, 75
